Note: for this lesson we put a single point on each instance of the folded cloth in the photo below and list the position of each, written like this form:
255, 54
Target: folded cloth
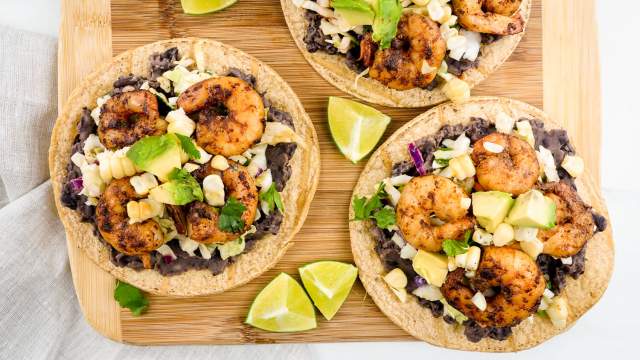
39, 313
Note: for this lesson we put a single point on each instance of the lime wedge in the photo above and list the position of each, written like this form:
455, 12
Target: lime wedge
356, 128
328, 283
198, 7
282, 306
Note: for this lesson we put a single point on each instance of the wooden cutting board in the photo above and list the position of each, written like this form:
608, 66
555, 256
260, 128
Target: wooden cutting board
555, 67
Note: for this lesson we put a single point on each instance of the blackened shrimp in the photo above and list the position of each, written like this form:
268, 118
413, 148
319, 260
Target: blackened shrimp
512, 275
431, 209
498, 17
414, 56
128, 117
202, 218
231, 114
514, 169
138, 239
574, 221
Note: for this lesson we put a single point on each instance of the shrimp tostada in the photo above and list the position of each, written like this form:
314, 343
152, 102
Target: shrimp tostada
476, 227
184, 167
406, 53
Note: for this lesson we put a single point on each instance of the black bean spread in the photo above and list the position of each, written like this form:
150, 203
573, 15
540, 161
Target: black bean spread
278, 157
554, 271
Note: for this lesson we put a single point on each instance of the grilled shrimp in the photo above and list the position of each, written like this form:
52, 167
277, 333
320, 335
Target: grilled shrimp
515, 275
499, 17
574, 221
424, 198
113, 223
128, 117
400, 67
514, 170
202, 218
231, 114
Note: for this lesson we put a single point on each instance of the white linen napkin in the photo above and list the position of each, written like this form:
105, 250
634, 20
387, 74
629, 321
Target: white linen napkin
39, 313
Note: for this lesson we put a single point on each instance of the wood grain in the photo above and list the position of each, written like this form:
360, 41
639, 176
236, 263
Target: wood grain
85, 43
572, 74
258, 28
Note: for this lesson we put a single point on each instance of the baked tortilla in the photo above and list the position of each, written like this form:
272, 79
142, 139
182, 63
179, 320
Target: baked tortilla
334, 69
297, 195
417, 320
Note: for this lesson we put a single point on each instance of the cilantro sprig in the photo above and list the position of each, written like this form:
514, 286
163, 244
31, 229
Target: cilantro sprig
188, 146
130, 297
231, 216
457, 247
373, 208
273, 199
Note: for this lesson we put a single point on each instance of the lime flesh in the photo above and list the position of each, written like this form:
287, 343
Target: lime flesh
328, 283
282, 306
198, 7
356, 128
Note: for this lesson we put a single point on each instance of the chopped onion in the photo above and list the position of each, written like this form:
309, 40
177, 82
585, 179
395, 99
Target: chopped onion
418, 161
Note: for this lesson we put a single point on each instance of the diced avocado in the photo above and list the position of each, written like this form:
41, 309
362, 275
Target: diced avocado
490, 208
533, 209
180, 190
431, 266
158, 155
354, 12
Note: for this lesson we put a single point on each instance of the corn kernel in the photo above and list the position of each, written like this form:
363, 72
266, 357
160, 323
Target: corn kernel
213, 189
219, 162
482, 237
525, 233
532, 248
473, 258
456, 90
462, 167
396, 279
574, 165
461, 260
558, 312
503, 235
525, 132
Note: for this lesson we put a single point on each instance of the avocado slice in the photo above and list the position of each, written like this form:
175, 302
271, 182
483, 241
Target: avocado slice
180, 190
533, 209
491, 207
431, 266
158, 155
354, 12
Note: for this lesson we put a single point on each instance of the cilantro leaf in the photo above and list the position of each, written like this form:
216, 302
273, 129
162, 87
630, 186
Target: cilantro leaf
442, 162
230, 216
373, 208
188, 146
385, 217
130, 297
457, 247
359, 204
273, 199
363, 208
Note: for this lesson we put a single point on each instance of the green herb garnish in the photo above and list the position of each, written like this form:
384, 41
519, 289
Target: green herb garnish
457, 247
373, 208
130, 297
273, 199
188, 146
230, 216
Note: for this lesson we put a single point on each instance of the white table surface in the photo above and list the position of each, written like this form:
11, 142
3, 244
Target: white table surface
609, 328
